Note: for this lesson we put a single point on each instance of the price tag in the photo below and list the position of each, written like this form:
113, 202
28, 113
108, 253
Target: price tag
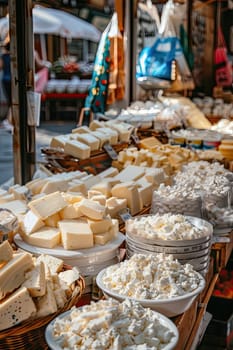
124, 214
110, 151
220, 239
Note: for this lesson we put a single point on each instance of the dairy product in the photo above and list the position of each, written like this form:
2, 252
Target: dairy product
48, 205
76, 234
77, 149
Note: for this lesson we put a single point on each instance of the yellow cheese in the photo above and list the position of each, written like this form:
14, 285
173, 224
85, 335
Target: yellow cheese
48, 205
114, 205
31, 223
77, 149
129, 191
6, 252
76, 234
52, 220
35, 280
100, 226
149, 142
46, 237
12, 275
18, 307
91, 209
81, 130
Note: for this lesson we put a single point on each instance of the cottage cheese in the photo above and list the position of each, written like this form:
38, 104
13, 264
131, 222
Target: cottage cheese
111, 325
151, 277
165, 227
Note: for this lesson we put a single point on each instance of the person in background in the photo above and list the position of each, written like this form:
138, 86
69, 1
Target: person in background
5, 66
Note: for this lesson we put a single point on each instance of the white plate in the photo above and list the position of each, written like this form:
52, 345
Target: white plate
97, 254
168, 307
54, 345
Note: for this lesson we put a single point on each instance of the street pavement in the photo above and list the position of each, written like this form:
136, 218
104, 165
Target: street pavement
43, 136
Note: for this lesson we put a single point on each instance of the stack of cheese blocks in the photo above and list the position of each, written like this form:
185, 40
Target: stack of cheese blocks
32, 288
82, 141
69, 219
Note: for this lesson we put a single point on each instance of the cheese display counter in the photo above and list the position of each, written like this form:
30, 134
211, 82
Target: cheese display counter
79, 210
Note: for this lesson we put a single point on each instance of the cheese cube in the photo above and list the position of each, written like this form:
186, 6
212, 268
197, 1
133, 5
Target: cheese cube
18, 307
131, 173
149, 142
95, 124
100, 198
31, 223
72, 197
100, 226
68, 277
52, 220
110, 172
76, 234
59, 141
155, 176
104, 187
16, 206
114, 205
81, 130
145, 191
53, 185
6, 252
77, 186
91, 209
46, 304
103, 138
129, 191
12, 275
77, 149
113, 134
60, 297
70, 212
46, 237
35, 280
103, 238
19, 192
36, 185
48, 205
90, 140
52, 263
7, 198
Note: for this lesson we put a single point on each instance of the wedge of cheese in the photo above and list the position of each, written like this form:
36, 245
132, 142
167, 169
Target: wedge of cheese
18, 307
48, 205
46, 237
6, 252
68, 277
12, 275
91, 209
76, 234
52, 263
52, 220
128, 190
35, 280
46, 304
31, 223
77, 149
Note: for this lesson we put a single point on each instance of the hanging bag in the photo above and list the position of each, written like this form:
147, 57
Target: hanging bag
223, 68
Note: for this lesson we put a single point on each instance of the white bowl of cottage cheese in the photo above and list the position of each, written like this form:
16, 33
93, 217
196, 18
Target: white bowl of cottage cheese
110, 325
159, 282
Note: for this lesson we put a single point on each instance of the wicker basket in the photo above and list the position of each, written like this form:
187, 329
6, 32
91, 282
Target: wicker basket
29, 334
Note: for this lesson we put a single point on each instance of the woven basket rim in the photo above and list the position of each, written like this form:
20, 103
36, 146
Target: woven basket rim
36, 323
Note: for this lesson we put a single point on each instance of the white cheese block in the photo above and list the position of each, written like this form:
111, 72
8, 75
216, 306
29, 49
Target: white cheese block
77, 185
35, 280
89, 140
16, 206
100, 226
145, 190
77, 149
100, 198
103, 238
131, 173
36, 185
124, 129
115, 227
3, 192
103, 138
9, 197
12, 275
129, 191
46, 304
18, 307
91, 180
60, 297
113, 134
46, 237
155, 175
95, 124
70, 212
76, 234
114, 205
72, 197
52, 220
104, 187
48, 205
69, 276
53, 185
59, 141
91, 209
19, 192
52, 263
31, 223
110, 172
81, 130
6, 252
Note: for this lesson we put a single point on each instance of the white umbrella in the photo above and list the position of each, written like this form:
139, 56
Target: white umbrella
57, 22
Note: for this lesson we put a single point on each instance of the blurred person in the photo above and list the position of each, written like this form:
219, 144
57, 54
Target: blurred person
5, 66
